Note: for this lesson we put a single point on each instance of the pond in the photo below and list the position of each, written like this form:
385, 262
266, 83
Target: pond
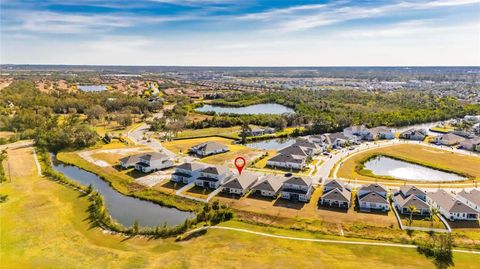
272, 144
92, 88
124, 209
386, 166
250, 110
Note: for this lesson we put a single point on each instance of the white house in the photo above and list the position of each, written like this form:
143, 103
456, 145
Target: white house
373, 196
297, 188
414, 134
212, 177
292, 157
268, 186
240, 184
411, 196
130, 161
209, 148
356, 130
450, 207
472, 198
153, 161
187, 172
380, 132
470, 144
336, 194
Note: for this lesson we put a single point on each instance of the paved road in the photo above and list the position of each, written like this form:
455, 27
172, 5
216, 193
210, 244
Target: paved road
324, 240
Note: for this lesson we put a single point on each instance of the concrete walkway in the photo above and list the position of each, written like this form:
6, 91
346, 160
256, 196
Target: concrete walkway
324, 240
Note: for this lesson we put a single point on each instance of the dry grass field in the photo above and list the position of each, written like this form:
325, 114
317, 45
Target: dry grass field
43, 226
429, 156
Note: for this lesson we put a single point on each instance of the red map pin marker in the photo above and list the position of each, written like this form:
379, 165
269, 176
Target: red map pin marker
240, 164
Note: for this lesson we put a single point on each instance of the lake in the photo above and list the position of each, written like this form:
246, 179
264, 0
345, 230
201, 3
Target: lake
92, 88
272, 144
250, 110
125, 209
386, 166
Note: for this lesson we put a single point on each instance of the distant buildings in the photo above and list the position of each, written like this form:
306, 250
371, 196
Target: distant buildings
209, 148
414, 134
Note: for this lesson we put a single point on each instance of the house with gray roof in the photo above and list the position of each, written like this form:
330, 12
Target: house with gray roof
380, 132
449, 206
356, 130
337, 198
153, 161
334, 184
408, 196
209, 148
213, 176
240, 184
268, 186
449, 139
292, 157
310, 145
471, 198
414, 134
472, 144
187, 172
373, 197
130, 161
297, 188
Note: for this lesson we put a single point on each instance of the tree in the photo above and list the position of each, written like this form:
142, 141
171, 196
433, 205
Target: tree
96, 112
412, 209
245, 132
124, 120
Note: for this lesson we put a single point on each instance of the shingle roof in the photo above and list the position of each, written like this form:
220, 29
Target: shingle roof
374, 197
333, 183
338, 195
269, 183
303, 181
215, 170
242, 181
287, 158
411, 190
210, 146
153, 156
190, 166
449, 203
374, 187
411, 200
131, 159
472, 196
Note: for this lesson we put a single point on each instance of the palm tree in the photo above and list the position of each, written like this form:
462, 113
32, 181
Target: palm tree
433, 213
413, 209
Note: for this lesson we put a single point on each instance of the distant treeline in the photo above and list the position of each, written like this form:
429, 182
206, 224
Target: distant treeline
331, 110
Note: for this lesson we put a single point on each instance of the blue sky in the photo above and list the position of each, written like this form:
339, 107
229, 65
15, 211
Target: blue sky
241, 33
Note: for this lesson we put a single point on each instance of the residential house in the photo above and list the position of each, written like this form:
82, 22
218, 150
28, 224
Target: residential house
380, 132
209, 148
261, 131
448, 139
310, 145
240, 184
336, 194
472, 198
268, 186
130, 161
414, 134
213, 177
187, 172
339, 140
373, 196
292, 157
356, 130
297, 188
408, 197
452, 208
470, 144
153, 161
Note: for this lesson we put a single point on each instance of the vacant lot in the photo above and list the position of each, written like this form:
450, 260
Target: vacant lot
43, 226
195, 133
418, 154
183, 146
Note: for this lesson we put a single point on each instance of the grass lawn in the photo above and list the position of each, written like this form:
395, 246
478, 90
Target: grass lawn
424, 222
43, 226
227, 132
415, 153
6, 134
